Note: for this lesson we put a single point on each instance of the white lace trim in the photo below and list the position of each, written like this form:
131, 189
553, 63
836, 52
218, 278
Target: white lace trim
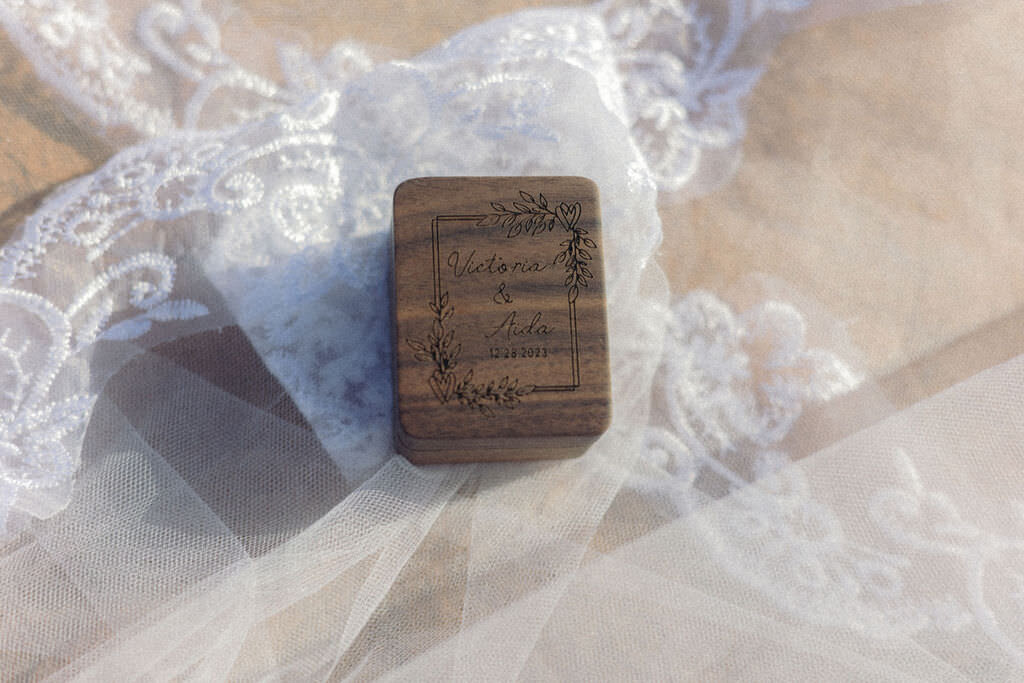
684, 67
299, 181
177, 44
684, 76
498, 81
734, 385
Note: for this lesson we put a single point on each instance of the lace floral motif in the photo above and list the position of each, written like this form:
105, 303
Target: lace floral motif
280, 185
683, 66
45, 342
732, 387
778, 538
40, 424
44, 405
111, 77
75, 50
743, 380
991, 565
684, 76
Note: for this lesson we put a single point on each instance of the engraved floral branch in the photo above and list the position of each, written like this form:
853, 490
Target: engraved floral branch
529, 217
575, 256
532, 216
441, 349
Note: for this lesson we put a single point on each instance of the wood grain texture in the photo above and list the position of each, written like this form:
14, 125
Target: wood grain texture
500, 336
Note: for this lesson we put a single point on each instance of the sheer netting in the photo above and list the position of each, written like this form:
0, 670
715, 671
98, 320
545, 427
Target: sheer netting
197, 477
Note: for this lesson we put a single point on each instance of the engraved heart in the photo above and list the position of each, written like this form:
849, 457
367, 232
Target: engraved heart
441, 385
568, 215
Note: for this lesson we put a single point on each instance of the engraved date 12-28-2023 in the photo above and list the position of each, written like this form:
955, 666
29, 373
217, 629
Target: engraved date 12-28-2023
537, 352
520, 332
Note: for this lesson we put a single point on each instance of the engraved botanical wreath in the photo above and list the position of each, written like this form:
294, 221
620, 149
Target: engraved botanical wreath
530, 217
533, 216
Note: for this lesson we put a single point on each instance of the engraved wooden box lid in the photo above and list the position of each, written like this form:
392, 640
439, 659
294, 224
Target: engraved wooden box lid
500, 334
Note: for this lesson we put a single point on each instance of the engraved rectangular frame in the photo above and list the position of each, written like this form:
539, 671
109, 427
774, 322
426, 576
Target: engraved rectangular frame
574, 358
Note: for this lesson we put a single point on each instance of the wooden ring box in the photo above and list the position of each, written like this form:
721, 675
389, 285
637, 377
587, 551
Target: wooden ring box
500, 339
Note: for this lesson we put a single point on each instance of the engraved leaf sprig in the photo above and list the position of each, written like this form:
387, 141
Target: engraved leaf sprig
575, 255
504, 393
440, 349
531, 216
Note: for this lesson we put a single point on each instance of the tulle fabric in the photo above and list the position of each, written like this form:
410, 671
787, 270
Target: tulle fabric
164, 519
